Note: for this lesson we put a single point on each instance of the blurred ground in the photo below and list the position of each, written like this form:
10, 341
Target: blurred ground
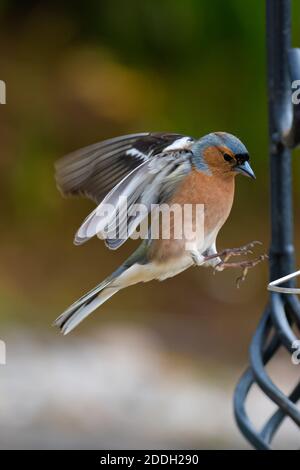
120, 387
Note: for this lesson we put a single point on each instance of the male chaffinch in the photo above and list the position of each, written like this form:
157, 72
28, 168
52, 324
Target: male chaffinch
154, 168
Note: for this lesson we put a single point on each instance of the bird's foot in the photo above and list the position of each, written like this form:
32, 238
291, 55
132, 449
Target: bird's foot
226, 254
244, 265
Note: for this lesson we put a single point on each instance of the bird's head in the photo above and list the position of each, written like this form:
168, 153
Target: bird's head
223, 154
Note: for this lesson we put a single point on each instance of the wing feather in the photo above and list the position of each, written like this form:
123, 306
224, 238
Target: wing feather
141, 168
94, 170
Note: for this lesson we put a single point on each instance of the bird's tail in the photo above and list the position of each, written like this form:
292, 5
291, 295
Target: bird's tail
80, 309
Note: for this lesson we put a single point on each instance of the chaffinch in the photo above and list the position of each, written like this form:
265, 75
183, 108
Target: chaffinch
154, 169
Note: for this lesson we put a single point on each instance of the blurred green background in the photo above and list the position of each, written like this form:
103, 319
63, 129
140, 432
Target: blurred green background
79, 72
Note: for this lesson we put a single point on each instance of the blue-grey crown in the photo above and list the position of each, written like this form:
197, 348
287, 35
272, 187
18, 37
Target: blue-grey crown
216, 139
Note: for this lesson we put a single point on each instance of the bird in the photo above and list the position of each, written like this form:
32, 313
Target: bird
154, 169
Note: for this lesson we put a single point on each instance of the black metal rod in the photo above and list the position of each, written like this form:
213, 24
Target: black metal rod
280, 118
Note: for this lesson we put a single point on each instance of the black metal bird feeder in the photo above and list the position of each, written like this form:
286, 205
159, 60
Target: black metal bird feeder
280, 323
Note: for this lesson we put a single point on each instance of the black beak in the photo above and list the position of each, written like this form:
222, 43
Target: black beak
245, 169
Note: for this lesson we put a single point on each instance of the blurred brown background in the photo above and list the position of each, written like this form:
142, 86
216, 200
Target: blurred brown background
158, 364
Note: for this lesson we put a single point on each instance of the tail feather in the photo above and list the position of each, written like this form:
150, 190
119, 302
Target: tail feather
84, 306
80, 309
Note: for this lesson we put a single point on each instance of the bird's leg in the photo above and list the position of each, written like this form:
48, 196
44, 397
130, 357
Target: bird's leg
226, 254
222, 258
244, 265
197, 257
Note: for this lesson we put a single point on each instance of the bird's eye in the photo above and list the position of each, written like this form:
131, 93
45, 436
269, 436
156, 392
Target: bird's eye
228, 157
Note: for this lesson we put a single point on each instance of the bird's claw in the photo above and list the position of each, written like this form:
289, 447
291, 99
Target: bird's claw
226, 254
245, 265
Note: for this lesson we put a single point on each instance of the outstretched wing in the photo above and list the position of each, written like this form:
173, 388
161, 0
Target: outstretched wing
138, 168
94, 170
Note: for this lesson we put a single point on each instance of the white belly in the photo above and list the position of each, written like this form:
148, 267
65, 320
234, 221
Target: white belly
155, 270
148, 272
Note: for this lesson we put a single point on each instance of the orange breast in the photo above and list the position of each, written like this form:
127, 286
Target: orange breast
214, 192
